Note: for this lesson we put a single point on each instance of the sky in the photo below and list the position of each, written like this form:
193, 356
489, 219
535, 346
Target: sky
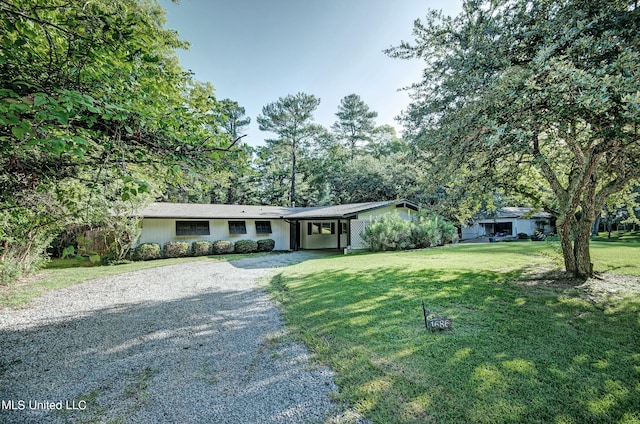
257, 51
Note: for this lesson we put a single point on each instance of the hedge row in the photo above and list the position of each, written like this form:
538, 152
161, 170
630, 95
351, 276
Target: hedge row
181, 249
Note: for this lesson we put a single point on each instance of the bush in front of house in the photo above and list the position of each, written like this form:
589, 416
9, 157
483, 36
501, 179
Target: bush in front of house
175, 249
147, 252
201, 248
266, 245
523, 236
391, 232
221, 247
245, 246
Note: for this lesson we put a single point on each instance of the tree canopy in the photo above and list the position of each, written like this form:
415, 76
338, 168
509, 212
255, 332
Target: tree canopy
291, 118
539, 97
93, 104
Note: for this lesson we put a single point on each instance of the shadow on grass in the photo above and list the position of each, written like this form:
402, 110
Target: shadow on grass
514, 354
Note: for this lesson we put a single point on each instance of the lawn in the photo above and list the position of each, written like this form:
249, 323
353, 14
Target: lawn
523, 348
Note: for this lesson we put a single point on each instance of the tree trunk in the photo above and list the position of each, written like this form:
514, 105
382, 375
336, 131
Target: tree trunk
563, 225
574, 239
292, 192
584, 267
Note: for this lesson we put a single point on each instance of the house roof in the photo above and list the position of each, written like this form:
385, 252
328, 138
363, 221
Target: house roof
349, 210
514, 212
209, 211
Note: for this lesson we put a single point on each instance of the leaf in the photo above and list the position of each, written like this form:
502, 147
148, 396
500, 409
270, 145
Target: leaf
19, 131
39, 99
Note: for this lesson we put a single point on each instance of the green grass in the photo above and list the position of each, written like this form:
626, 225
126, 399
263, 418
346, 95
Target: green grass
619, 236
520, 351
62, 273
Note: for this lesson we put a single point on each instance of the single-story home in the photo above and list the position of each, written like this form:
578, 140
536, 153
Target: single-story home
509, 222
292, 228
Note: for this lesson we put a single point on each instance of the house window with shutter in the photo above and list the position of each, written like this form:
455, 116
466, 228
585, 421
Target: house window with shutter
263, 227
237, 227
321, 228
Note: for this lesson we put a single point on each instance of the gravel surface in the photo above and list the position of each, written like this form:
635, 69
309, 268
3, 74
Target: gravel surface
191, 343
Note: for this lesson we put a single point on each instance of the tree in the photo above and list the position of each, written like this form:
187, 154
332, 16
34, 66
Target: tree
520, 92
91, 92
234, 122
291, 118
355, 122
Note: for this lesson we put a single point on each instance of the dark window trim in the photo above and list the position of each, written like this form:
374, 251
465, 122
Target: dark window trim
263, 227
237, 227
316, 228
192, 228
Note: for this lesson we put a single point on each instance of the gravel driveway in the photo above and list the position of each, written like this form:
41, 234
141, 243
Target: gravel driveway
190, 343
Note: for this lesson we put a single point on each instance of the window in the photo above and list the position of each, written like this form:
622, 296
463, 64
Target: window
344, 228
237, 227
192, 228
263, 227
321, 228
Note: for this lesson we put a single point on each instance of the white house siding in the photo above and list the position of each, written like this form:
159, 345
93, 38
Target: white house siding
473, 231
405, 213
156, 230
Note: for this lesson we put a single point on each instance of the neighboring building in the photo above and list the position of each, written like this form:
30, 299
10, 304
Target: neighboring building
321, 227
509, 222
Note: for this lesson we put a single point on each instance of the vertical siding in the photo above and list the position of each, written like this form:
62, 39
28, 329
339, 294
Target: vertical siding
473, 231
164, 230
405, 213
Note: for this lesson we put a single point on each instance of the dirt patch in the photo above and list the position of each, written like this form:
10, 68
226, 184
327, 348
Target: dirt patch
611, 287
605, 287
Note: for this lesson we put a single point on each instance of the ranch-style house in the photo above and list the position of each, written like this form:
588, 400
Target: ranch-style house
509, 222
292, 228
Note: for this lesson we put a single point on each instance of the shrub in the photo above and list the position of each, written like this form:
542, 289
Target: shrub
221, 247
266, 245
449, 231
246, 246
201, 248
523, 236
175, 249
425, 232
147, 252
389, 232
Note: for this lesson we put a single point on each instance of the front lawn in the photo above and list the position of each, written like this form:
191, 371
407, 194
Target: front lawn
524, 347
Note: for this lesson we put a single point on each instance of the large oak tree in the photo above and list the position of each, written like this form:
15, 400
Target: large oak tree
539, 97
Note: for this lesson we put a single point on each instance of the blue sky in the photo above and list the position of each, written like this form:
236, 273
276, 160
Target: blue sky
256, 51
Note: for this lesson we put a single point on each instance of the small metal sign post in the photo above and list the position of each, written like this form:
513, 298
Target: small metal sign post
432, 322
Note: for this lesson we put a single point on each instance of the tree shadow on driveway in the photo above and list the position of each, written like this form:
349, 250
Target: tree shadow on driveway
211, 356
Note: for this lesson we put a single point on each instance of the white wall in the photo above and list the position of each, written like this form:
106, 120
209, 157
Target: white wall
405, 213
164, 230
